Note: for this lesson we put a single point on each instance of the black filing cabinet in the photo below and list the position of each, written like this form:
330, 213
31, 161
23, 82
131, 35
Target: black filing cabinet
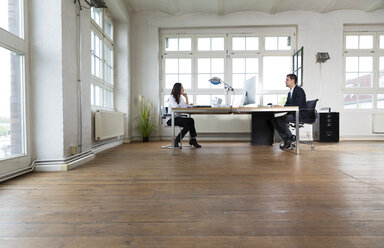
326, 128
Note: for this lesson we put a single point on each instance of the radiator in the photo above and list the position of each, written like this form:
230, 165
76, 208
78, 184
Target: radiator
378, 123
108, 124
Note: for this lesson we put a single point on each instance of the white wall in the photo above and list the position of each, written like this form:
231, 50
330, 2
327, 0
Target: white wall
316, 32
46, 78
56, 122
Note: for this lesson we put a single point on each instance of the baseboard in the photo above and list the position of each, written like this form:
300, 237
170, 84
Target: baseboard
73, 161
376, 137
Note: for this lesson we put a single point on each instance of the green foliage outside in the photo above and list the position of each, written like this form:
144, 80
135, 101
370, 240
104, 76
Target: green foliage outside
4, 120
4, 130
145, 124
283, 100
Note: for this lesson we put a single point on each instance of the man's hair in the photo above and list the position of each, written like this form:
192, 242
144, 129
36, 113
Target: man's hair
292, 77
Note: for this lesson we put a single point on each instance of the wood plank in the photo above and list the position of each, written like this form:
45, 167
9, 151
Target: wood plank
227, 194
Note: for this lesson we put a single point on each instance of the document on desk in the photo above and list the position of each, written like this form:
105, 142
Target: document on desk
280, 114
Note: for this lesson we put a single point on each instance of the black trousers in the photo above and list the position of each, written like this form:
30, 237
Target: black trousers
188, 125
281, 125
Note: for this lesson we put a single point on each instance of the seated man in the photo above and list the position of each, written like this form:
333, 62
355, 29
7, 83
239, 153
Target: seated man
296, 97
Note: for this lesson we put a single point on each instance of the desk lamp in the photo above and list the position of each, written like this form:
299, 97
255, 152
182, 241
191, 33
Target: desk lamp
227, 87
93, 3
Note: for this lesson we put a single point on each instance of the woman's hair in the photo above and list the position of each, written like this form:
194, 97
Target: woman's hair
176, 92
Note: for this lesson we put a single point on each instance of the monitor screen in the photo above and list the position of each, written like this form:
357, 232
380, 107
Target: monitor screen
249, 91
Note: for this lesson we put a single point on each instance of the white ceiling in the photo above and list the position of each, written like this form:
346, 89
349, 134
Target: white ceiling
222, 7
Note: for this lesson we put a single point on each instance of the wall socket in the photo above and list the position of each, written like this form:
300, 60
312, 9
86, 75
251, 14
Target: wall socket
73, 150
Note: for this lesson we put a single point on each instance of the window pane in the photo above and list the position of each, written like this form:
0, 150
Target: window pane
270, 99
171, 66
352, 64
352, 42
218, 44
237, 80
108, 99
351, 80
108, 28
358, 101
236, 100
275, 70
185, 44
11, 104
92, 94
284, 43
270, 43
186, 80
98, 96
171, 44
365, 64
252, 43
252, 65
203, 65
217, 66
366, 42
185, 66
11, 16
202, 81
238, 43
170, 80
97, 16
203, 44
203, 100
238, 65
380, 101
381, 42
381, 71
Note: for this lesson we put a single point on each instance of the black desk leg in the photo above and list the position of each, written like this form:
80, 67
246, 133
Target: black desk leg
262, 129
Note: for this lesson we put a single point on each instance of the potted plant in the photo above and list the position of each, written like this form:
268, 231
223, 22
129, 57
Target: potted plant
145, 125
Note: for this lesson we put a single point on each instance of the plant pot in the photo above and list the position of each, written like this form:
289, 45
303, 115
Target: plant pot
145, 139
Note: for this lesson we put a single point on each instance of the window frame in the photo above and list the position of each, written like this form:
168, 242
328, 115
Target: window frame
103, 82
20, 45
375, 53
228, 55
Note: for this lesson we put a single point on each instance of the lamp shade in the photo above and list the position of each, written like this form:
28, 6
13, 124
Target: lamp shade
215, 80
98, 4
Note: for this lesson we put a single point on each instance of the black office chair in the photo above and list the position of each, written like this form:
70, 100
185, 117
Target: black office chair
308, 118
163, 122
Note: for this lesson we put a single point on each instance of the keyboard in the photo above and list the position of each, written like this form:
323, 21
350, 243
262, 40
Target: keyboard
201, 106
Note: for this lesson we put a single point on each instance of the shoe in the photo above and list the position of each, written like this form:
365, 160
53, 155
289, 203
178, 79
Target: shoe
177, 144
281, 146
193, 142
288, 142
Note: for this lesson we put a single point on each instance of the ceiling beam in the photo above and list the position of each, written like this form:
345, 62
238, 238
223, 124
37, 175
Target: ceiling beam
378, 5
275, 7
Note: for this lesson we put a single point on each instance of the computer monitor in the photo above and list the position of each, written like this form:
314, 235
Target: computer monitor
249, 92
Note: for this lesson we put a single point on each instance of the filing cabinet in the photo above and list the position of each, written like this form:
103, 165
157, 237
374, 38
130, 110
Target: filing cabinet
326, 127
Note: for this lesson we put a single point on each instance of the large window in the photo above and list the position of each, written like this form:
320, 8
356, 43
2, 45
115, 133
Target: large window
13, 124
11, 16
234, 55
102, 80
363, 70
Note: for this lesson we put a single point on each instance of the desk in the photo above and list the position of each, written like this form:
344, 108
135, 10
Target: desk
238, 110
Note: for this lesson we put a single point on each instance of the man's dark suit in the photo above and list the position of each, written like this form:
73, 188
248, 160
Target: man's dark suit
298, 98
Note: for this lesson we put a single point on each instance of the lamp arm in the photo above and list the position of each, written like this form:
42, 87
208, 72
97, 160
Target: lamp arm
90, 5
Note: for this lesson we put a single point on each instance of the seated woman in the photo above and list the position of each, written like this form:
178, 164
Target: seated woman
188, 124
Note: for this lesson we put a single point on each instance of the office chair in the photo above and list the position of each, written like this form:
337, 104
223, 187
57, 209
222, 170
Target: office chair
308, 119
163, 117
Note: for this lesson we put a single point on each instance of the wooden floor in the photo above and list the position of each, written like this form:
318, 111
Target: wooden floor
223, 195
